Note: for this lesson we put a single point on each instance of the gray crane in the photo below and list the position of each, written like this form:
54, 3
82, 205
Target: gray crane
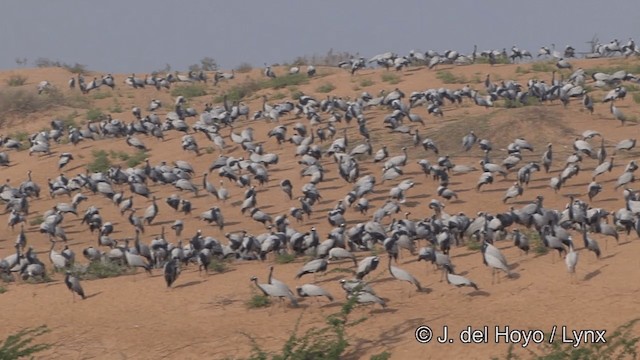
367, 265
494, 259
571, 261
341, 253
308, 290
73, 284
457, 280
313, 267
403, 275
171, 271
275, 291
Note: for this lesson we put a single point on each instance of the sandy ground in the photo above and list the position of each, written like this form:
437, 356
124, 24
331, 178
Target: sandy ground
137, 317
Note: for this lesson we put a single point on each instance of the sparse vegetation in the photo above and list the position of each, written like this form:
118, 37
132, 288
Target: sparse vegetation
325, 88
390, 78
447, 77
98, 95
244, 68
101, 270
328, 342
474, 245
136, 159
2, 289
218, 265
36, 221
189, 91
20, 345
366, 82
620, 344
278, 96
76, 68
296, 94
240, 91
95, 114
258, 301
20, 136
116, 108
385, 355
16, 80
522, 70
543, 66
284, 81
536, 244
636, 98
285, 258
100, 163
22, 102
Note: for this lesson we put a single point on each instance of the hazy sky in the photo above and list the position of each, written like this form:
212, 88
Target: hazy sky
141, 36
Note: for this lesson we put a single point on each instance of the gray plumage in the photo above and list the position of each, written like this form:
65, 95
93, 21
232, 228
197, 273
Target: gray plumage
73, 284
308, 290
313, 267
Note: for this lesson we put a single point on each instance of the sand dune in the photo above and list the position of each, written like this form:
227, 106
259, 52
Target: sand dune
137, 317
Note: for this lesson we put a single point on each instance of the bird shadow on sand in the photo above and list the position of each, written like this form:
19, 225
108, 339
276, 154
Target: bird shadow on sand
388, 339
166, 222
608, 256
479, 293
93, 295
333, 278
190, 283
590, 275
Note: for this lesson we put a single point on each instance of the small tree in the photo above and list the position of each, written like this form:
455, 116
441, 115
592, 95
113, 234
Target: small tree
208, 64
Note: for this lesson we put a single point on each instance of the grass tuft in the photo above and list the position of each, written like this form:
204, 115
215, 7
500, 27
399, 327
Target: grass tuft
100, 163
258, 301
325, 88
189, 91
19, 345
285, 258
390, 78
16, 80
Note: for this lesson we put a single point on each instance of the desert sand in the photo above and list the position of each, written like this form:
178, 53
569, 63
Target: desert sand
137, 317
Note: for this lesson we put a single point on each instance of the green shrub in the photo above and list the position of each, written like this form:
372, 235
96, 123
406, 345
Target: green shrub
136, 159
325, 88
390, 78
366, 82
16, 80
21, 102
278, 96
116, 108
536, 244
189, 91
296, 94
447, 77
36, 220
218, 266
240, 91
2, 289
101, 270
100, 161
285, 258
385, 355
328, 342
95, 114
19, 345
620, 344
522, 70
286, 80
636, 98
474, 245
258, 301
543, 66
98, 95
